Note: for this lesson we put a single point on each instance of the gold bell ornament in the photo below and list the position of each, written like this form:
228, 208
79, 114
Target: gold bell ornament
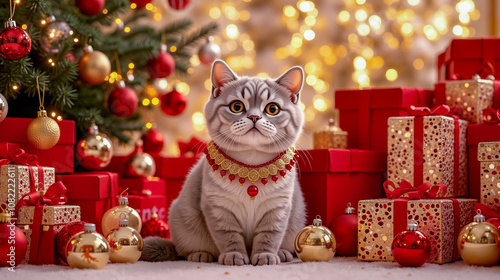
479, 242
315, 243
330, 137
43, 132
126, 244
111, 219
87, 249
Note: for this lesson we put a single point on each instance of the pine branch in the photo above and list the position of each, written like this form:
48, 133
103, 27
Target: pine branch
177, 26
196, 36
65, 95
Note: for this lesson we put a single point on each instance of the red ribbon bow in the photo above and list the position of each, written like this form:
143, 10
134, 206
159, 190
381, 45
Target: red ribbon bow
483, 73
438, 110
194, 145
55, 195
426, 190
491, 116
486, 211
15, 156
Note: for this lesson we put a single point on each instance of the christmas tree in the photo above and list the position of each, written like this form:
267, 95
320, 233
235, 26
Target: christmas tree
78, 80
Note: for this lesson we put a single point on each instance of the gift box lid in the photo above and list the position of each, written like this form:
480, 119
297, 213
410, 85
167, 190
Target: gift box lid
51, 215
17, 128
471, 48
488, 151
341, 160
90, 185
174, 167
381, 98
477, 133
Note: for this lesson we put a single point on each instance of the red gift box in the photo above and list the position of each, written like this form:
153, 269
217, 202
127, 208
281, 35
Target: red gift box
331, 178
147, 205
94, 192
467, 57
61, 156
142, 186
118, 165
174, 170
364, 113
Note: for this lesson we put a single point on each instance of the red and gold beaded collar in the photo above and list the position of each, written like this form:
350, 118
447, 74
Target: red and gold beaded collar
219, 160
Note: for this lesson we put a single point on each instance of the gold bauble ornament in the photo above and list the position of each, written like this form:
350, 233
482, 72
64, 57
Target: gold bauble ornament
125, 244
43, 132
94, 66
141, 164
315, 243
87, 249
111, 219
95, 150
479, 242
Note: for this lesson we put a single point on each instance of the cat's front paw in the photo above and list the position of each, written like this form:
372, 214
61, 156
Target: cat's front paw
233, 258
285, 255
200, 257
265, 259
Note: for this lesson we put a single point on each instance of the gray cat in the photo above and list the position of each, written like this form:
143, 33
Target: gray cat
254, 123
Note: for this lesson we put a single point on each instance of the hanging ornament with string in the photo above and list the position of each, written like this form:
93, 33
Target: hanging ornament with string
43, 132
95, 150
173, 103
161, 66
15, 42
140, 164
4, 107
13, 243
53, 34
411, 248
94, 66
345, 229
209, 52
178, 4
153, 141
90, 7
111, 219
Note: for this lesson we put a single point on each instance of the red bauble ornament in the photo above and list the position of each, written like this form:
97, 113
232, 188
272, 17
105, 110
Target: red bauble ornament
15, 42
140, 3
65, 234
411, 248
155, 227
494, 221
178, 4
173, 103
345, 229
153, 141
161, 66
90, 7
122, 101
13, 244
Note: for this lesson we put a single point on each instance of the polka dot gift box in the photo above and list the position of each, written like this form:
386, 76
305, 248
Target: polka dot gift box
429, 146
488, 154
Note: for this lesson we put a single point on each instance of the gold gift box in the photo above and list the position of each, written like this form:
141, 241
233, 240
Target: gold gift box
435, 218
330, 137
15, 181
438, 152
488, 155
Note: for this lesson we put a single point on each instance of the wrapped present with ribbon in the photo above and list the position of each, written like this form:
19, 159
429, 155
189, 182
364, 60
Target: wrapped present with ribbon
40, 215
438, 218
488, 155
20, 174
472, 95
193, 148
429, 146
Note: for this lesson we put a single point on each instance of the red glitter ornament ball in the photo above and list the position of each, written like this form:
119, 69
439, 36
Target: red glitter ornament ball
155, 227
15, 42
122, 101
161, 66
65, 234
178, 4
13, 243
90, 7
153, 142
411, 248
173, 103
345, 229
140, 3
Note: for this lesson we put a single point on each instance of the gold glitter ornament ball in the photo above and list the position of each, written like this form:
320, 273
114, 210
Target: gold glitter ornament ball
87, 249
94, 66
479, 242
315, 243
111, 219
43, 132
125, 244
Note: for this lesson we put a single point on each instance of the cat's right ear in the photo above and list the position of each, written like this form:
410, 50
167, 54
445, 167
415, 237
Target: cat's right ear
221, 74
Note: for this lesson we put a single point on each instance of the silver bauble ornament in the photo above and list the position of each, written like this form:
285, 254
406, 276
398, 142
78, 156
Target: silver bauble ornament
53, 34
209, 52
141, 164
95, 150
4, 107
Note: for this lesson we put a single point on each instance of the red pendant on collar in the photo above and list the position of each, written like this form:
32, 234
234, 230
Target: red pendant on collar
252, 191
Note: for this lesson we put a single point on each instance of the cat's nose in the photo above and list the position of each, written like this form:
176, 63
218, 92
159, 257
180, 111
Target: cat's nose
254, 118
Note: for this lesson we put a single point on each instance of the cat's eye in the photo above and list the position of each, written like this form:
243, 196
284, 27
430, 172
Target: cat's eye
272, 109
236, 107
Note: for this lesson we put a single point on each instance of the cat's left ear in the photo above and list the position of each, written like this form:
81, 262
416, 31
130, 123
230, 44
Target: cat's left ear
292, 80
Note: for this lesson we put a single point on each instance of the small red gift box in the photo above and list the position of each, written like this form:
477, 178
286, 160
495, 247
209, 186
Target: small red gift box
467, 57
364, 113
331, 178
94, 192
142, 186
147, 205
118, 165
60, 157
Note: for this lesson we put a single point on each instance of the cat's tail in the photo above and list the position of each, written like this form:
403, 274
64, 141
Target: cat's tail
157, 249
